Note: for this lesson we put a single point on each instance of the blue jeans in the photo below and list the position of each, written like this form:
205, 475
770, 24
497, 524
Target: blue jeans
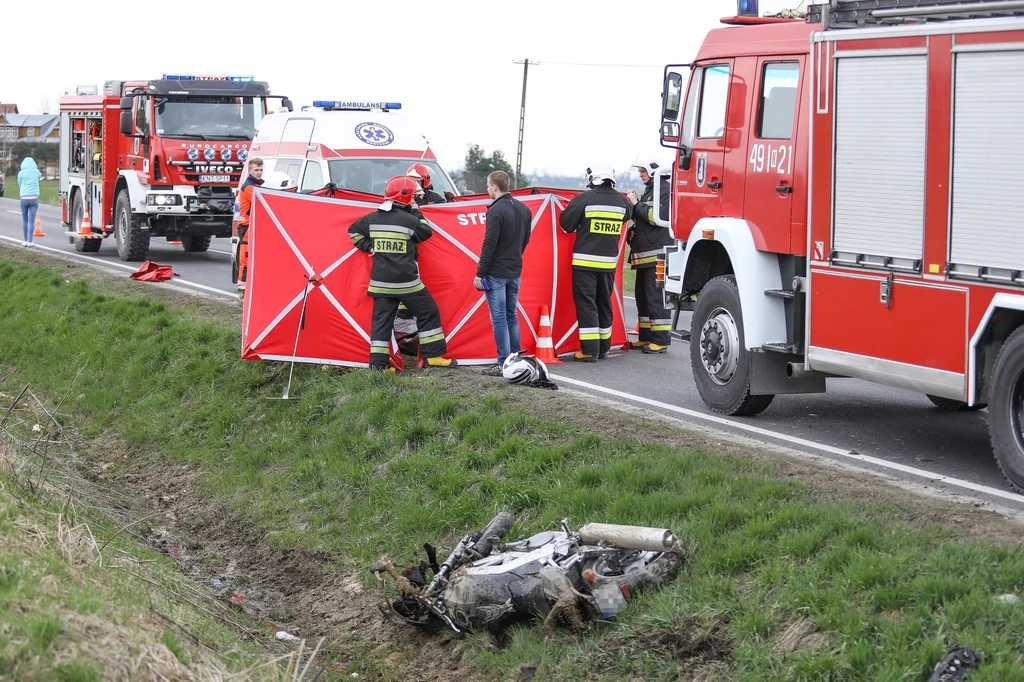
502, 299
28, 217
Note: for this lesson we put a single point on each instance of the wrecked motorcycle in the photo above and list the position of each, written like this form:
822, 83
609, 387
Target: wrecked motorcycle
563, 576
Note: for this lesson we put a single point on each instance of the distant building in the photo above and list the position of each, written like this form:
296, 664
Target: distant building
15, 127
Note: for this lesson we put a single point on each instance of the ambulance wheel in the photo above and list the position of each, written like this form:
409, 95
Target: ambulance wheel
955, 405
77, 215
718, 356
1006, 409
194, 243
132, 240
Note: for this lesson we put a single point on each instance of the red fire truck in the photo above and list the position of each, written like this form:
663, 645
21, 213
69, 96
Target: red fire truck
158, 158
847, 202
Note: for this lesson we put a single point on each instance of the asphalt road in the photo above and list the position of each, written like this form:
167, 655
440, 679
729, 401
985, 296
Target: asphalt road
892, 431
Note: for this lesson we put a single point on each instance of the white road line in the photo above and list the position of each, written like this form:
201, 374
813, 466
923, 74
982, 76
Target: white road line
95, 263
226, 253
797, 441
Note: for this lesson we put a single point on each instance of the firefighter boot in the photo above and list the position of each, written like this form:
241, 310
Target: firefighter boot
637, 345
441, 362
654, 349
584, 357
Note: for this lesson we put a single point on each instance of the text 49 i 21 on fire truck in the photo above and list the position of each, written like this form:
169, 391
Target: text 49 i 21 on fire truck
846, 202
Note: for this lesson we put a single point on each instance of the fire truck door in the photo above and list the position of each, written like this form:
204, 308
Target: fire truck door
768, 195
700, 171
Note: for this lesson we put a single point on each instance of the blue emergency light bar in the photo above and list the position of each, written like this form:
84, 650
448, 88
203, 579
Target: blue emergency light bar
198, 77
358, 106
746, 8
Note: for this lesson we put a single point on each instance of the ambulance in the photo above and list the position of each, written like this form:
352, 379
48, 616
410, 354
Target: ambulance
355, 145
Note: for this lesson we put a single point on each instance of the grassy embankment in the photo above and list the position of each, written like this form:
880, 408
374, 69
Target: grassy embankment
784, 581
47, 190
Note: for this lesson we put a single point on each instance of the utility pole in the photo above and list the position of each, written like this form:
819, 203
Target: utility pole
522, 118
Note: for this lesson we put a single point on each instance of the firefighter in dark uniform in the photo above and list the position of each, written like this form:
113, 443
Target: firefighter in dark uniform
597, 216
646, 241
390, 234
426, 194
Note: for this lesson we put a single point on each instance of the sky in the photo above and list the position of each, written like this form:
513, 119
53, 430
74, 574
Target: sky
594, 97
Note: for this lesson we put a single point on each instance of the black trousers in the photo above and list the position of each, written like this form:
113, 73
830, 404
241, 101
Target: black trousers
428, 321
654, 319
592, 292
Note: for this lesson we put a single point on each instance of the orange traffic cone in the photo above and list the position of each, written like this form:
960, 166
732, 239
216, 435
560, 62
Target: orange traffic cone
545, 347
636, 329
86, 228
39, 228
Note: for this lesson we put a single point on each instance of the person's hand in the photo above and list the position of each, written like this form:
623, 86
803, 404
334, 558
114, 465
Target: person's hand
478, 283
631, 197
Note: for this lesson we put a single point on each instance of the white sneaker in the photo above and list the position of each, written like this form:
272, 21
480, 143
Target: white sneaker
24, 243
29, 244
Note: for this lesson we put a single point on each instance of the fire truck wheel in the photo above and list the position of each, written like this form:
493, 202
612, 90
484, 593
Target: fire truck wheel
1006, 409
195, 243
720, 362
955, 405
81, 245
132, 240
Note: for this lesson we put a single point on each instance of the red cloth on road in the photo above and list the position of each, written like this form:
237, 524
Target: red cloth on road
153, 272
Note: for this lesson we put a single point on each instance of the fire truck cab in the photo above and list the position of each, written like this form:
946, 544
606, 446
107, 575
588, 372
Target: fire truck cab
846, 203
156, 158
354, 145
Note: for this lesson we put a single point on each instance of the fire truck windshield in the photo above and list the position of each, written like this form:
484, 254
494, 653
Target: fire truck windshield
208, 118
370, 175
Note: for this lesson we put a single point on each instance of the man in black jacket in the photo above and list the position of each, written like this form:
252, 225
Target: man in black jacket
390, 235
501, 263
646, 241
597, 217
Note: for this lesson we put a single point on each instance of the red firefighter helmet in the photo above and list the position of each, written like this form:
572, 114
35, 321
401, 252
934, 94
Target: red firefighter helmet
420, 172
401, 189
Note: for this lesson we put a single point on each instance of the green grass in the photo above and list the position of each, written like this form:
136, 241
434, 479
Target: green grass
48, 189
363, 464
67, 615
628, 279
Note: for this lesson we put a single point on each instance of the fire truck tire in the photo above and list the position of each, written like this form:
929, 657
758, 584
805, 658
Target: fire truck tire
1006, 409
132, 240
194, 243
81, 245
955, 405
720, 361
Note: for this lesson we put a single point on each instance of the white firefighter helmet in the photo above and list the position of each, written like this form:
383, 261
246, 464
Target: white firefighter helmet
277, 180
600, 174
649, 166
520, 370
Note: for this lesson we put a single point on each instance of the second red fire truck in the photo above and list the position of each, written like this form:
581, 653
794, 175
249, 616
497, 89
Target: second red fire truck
846, 196
157, 158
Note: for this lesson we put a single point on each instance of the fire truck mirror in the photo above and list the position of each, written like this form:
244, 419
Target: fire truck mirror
737, 104
671, 95
127, 102
126, 123
287, 104
670, 133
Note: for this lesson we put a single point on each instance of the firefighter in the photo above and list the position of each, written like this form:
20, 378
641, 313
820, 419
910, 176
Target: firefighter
390, 235
254, 179
646, 241
425, 194
597, 217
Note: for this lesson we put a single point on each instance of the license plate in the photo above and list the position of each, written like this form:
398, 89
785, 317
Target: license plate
214, 178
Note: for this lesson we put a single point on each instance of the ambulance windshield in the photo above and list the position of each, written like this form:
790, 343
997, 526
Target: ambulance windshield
208, 118
371, 174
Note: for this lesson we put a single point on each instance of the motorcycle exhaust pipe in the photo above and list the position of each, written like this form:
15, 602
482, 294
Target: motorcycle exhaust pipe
638, 538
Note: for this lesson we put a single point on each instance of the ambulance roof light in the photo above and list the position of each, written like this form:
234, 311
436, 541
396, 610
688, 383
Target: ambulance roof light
355, 106
206, 77
746, 8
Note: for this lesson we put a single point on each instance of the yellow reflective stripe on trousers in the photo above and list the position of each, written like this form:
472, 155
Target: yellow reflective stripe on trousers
592, 264
661, 326
395, 292
590, 334
606, 333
